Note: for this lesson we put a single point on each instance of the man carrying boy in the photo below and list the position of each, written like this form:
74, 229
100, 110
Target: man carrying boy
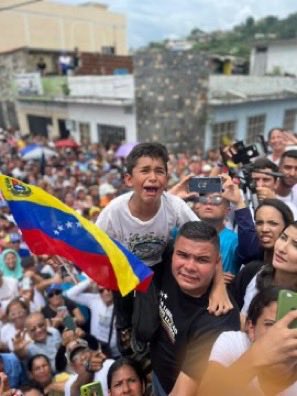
143, 219
181, 346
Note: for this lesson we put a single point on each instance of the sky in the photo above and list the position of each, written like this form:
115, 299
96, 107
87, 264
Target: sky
151, 20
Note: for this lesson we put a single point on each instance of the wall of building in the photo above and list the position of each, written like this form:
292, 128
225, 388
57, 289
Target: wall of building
104, 64
171, 92
52, 110
93, 114
274, 110
53, 25
249, 86
282, 57
10, 64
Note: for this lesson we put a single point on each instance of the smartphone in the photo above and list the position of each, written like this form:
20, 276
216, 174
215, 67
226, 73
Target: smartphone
286, 302
205, 185
69, 323
91, 389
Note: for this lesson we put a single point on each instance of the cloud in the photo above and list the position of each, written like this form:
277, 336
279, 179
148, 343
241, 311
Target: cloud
153, 21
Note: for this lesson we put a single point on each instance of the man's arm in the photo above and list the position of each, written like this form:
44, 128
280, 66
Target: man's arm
82, 379
184, 385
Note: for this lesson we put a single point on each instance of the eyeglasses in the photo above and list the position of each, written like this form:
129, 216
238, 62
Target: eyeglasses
54, 293
38, 326
214, 200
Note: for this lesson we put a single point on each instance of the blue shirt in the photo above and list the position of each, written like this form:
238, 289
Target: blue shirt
228, 250
13, 369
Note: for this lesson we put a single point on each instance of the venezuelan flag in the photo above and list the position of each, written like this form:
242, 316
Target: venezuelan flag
50, 227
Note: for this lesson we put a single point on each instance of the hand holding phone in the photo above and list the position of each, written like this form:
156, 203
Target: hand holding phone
91, 389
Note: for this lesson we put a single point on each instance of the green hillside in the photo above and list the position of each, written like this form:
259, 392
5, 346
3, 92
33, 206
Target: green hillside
239, 41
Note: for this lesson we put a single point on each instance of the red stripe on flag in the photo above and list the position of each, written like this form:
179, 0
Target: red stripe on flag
98, 267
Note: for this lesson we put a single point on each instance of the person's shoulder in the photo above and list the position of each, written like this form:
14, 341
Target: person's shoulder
172, 199
237, 336
117, 202
210, 322
10, 281
53, 333
226, 232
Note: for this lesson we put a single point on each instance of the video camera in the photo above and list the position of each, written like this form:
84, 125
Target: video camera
239, 153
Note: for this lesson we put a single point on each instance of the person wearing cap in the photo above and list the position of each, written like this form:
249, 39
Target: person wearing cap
10, 264
107, 193
88, 365
58, 307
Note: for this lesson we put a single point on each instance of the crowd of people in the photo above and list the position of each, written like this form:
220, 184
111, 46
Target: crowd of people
207, 324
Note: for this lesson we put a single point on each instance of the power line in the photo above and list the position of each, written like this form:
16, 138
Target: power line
18, 5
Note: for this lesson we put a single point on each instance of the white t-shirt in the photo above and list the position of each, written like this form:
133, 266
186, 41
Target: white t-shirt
8, 291
146, 239
228, 348
101, 314
250, 293
100, 376
291, 200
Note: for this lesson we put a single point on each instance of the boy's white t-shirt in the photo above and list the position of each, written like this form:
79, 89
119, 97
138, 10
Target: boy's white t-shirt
146, 239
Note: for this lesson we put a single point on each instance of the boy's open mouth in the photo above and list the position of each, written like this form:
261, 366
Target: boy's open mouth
151, 189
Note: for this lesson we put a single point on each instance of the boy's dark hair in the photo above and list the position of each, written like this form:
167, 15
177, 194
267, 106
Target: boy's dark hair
261, 301
264, 163
274, 129
279, 205
200, 231
152, 150
289, 153
125, 361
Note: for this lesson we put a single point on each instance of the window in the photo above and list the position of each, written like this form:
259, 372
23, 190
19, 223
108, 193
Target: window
221, 131
255, 127
108, 50
84, 132
290, 119
110, 134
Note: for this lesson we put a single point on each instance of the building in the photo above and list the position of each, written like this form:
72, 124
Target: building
171, 97
181, 103
277, 57
244, 107
90, 108
24, 60
50, 25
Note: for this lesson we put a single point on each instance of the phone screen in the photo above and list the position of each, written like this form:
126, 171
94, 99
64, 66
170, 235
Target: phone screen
205, 185
69, 323
287, 301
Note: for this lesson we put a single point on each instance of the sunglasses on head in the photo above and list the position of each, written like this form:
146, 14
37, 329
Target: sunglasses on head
54, 293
